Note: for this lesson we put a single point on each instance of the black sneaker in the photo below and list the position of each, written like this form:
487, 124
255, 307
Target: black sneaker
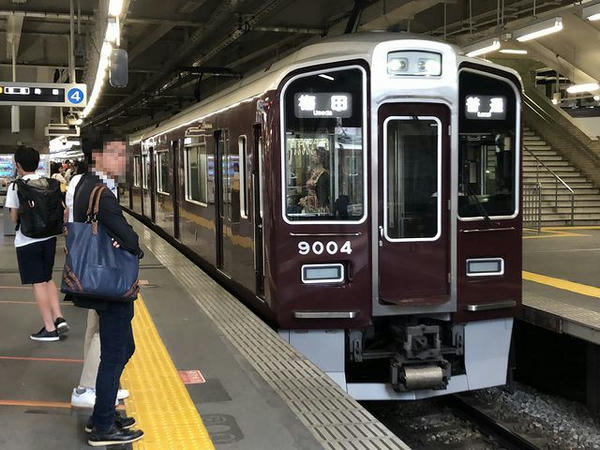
61, 325
114, 436
121, 422
46, 336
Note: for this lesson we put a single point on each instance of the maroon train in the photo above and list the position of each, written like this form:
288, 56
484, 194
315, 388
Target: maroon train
363, 195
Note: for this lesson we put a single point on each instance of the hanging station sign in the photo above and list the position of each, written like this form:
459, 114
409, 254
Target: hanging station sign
43, 94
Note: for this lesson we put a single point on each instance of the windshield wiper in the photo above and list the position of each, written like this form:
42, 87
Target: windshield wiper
480, 207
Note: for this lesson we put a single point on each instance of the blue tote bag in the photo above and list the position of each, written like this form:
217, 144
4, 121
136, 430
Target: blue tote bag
93, 267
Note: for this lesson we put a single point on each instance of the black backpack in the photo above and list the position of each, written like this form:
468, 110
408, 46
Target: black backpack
40, 207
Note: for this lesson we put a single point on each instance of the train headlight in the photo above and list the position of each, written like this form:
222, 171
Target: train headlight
414, 63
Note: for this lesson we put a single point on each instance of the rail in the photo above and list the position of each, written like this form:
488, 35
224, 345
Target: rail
508, 438
532, 205
557, 180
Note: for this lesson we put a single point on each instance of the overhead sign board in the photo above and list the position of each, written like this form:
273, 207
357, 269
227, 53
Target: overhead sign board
43, 94
58, 129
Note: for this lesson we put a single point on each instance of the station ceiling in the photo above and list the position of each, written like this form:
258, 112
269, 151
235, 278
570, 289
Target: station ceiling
182, 50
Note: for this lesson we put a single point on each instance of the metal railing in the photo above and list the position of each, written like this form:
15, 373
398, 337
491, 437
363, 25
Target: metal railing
532, 206
557, 180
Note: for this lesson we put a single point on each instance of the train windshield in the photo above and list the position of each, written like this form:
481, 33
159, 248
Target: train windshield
324, 146
487, 147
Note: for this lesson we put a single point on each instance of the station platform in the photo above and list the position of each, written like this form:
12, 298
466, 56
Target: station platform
561, 280
207, 373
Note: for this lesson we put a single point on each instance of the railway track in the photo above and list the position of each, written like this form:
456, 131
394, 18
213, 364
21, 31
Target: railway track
501, 432
456, 423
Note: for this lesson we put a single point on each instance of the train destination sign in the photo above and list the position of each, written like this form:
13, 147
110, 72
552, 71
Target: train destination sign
43, 94
323, 104
487, 107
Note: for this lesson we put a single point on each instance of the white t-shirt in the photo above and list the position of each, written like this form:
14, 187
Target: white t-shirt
69, 196
12, 201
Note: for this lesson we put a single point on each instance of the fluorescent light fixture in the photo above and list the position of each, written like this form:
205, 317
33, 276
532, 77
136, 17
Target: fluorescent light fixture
585, 87
539, 29
592, 12
112, 30
482, 48
327, 77
115, 7
513, 51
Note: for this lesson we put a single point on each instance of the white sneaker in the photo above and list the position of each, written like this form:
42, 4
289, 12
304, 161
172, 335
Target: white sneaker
122, 394
87, 397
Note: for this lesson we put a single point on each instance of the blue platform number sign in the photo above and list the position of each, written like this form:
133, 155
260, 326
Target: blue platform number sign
75, 96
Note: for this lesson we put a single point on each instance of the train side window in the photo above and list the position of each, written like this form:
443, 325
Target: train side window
413, 180
162, 172
243, 158
136, 171
196, 161
324, 135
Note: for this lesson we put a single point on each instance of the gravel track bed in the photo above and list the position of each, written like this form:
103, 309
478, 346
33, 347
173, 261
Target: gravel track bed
550, 422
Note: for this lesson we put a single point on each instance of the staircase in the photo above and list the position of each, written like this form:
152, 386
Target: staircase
587, 196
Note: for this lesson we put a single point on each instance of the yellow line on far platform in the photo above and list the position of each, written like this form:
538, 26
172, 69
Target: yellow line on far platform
566, 285
158, 399
553, 234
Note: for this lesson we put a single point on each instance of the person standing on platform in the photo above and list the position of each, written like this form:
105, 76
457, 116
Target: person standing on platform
116, 335
84, 395
36, 207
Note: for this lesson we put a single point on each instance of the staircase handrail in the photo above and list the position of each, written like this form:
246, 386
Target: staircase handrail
557, 179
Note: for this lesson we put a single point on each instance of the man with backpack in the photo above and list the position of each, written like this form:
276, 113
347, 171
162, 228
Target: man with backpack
36, 207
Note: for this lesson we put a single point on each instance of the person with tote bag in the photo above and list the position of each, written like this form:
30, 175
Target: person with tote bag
99, 232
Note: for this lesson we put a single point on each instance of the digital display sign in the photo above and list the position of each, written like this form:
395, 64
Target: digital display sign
42, 94
485, 107
323, 105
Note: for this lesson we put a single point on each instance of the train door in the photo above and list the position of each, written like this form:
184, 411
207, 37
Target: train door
146, 182
413, 225
224, 163
175, 191
257, 192
152, 183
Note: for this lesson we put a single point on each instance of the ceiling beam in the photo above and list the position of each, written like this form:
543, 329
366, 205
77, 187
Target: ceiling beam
148, 39
383, 16
14, 25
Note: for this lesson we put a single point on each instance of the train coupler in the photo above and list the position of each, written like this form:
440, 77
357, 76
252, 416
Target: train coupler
415, 375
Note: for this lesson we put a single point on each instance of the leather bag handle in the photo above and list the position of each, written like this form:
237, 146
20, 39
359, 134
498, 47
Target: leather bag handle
91, 200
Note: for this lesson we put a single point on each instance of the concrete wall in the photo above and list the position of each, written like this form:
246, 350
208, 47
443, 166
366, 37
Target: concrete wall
591, 125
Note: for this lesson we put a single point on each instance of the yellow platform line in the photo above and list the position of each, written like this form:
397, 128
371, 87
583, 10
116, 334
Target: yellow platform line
566, 285
158, 399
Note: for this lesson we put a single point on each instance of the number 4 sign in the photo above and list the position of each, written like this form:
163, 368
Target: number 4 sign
76, 96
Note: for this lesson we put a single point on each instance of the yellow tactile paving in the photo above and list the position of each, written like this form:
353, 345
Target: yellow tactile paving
566, 285
158, 399
552, 233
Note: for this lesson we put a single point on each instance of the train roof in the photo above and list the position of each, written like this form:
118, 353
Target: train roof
332, 49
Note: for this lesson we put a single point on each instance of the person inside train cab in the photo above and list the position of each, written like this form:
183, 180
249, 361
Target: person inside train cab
107, 162
317, 186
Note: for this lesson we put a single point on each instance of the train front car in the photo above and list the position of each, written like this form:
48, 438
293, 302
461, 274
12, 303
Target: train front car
395, 260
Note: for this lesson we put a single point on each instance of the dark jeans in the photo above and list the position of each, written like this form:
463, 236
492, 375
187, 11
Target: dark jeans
116, 347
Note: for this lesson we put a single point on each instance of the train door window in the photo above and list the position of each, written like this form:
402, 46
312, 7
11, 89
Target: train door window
136, 171
230, 179
488, 158
412, 165
243, 158
145, 170
162, 172
324, 164
196, 170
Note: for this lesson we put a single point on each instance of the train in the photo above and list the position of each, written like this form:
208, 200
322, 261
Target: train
363, 196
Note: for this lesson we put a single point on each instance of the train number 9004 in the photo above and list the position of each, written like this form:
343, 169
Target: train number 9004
318, 247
